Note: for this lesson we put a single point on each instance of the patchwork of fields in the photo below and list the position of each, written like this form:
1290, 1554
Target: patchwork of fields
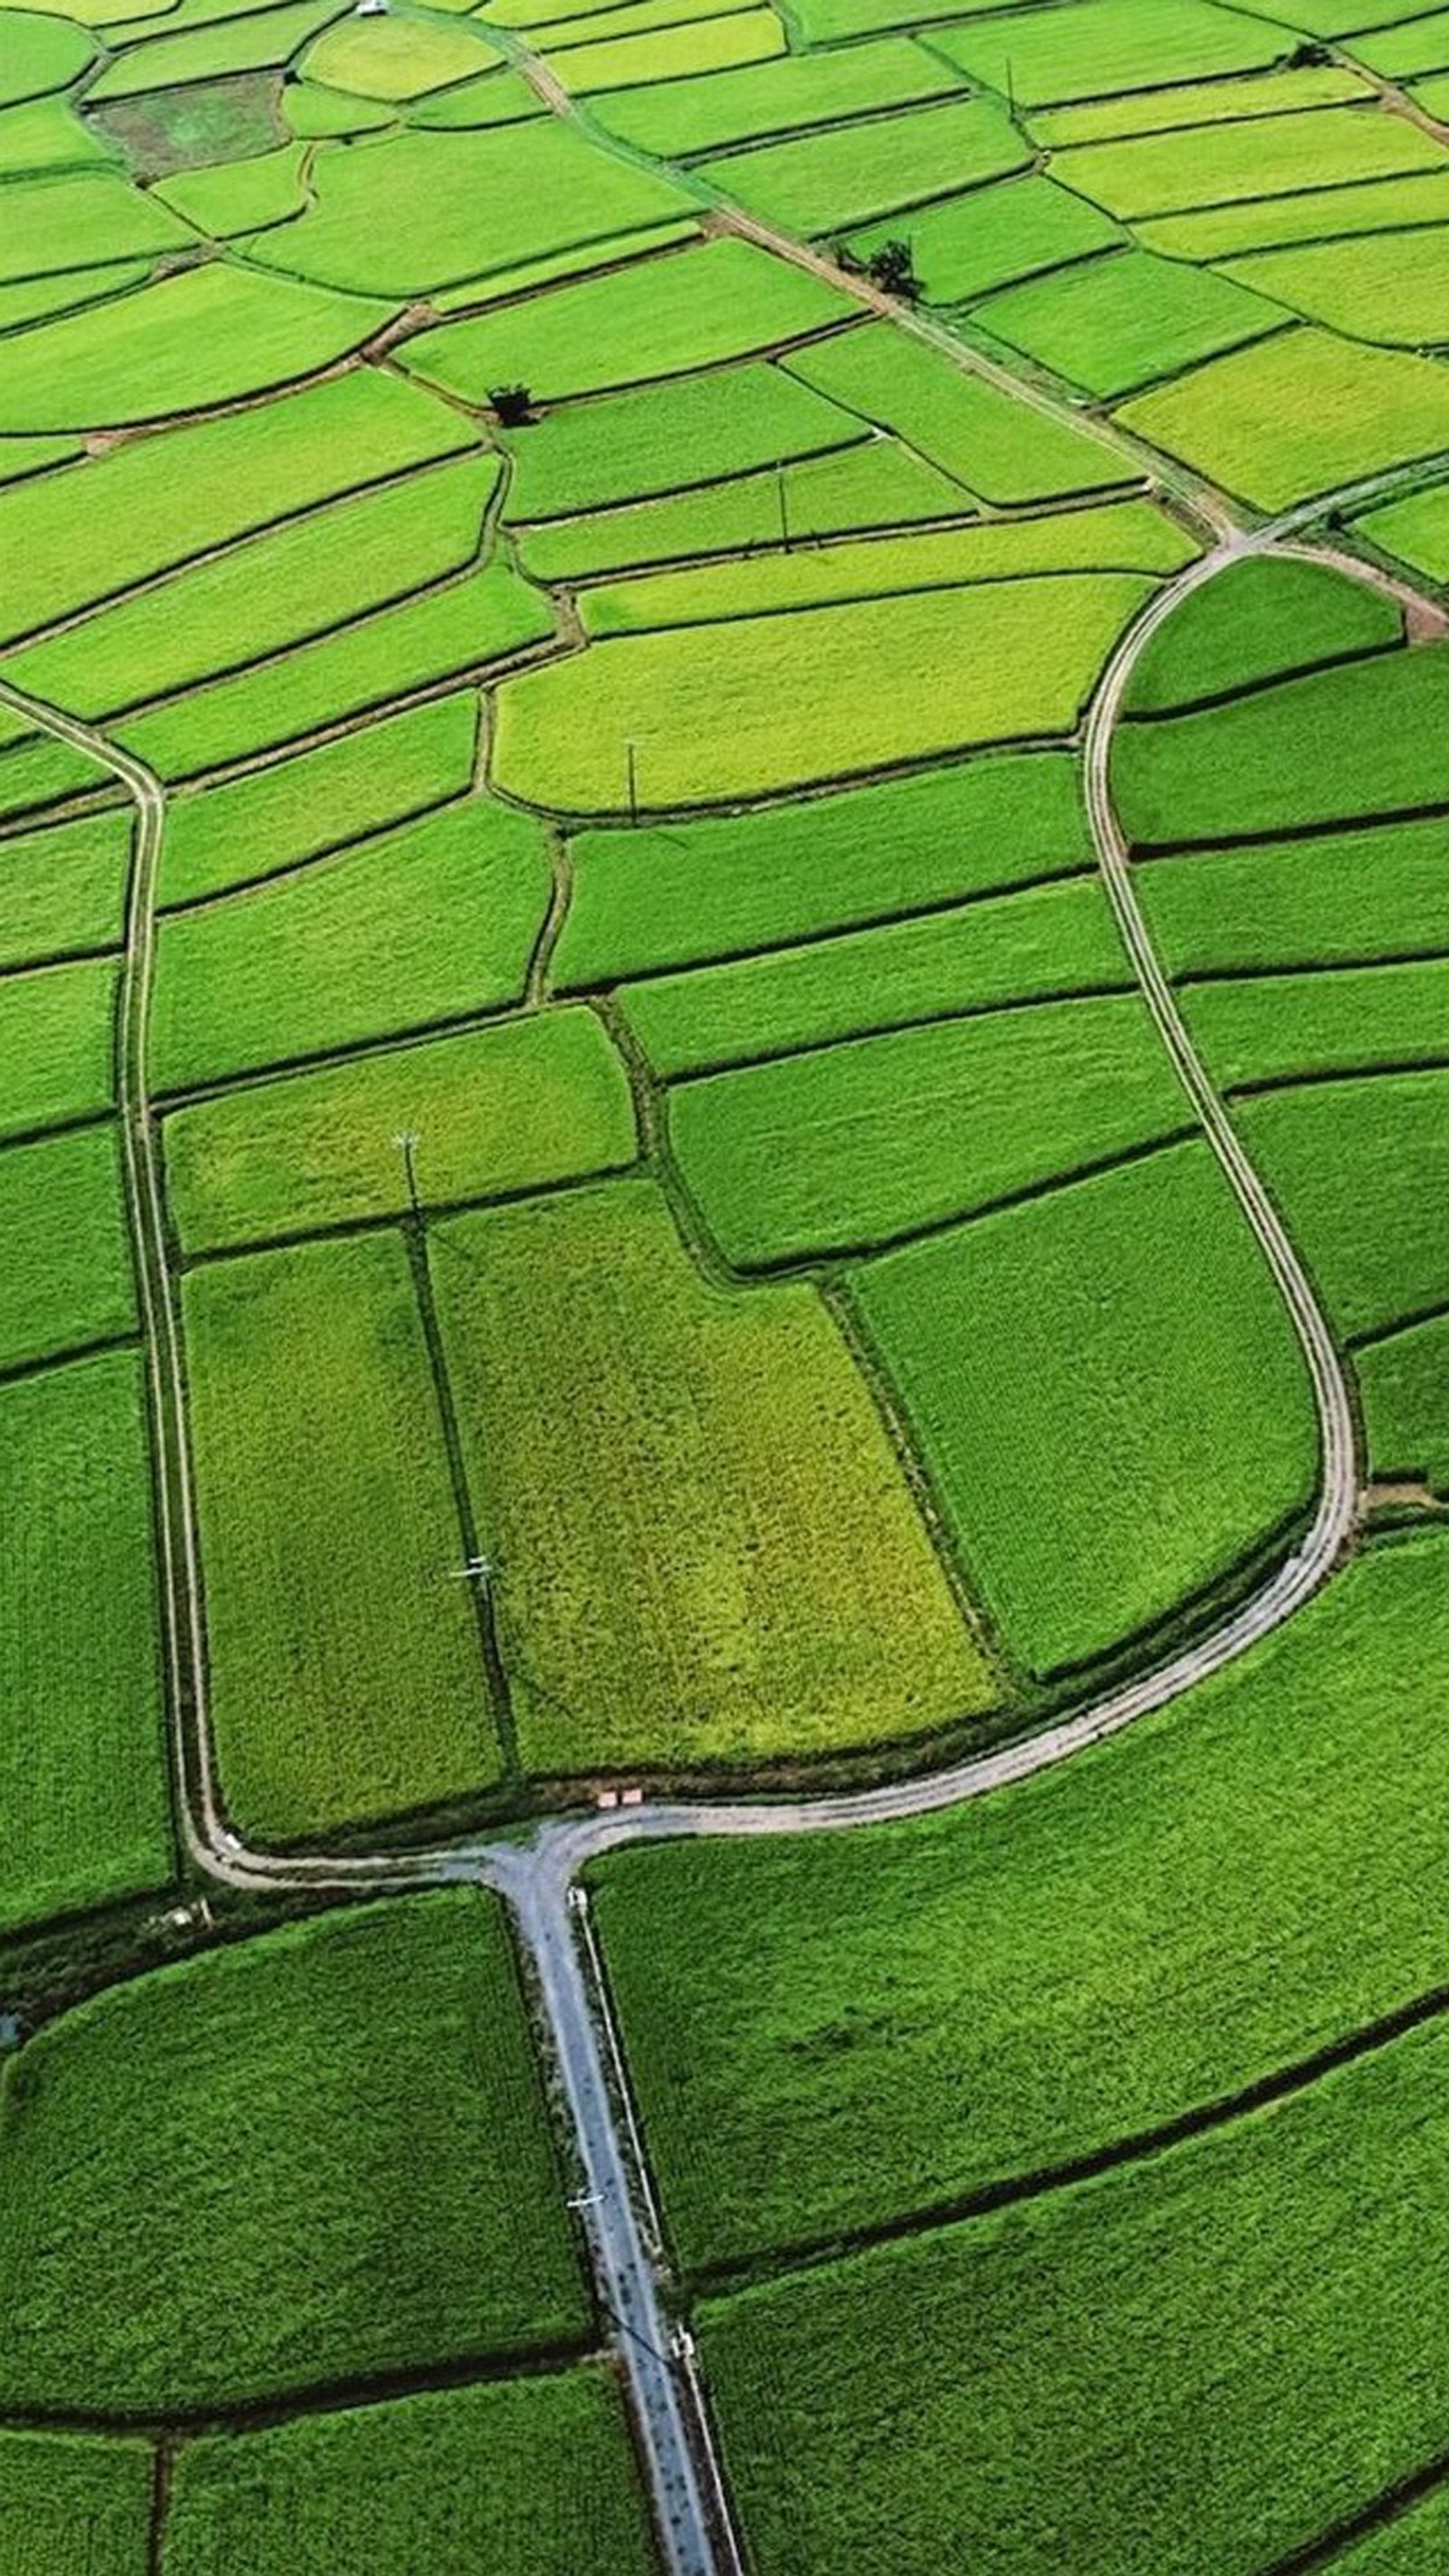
724, 1003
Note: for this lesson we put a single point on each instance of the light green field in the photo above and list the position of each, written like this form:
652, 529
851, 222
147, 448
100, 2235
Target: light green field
301, 808
74, 2506
84, 1805
430, 923
315, 113
46, 134
254, 40
1106, 45
1119, 323
204, 336
582, 259
59, 223
1271, 92
798, 91
272, 592
712, 44
1298, 414
1347, 1019
35, 299
495, 1112
56, 1048
1051, 940
850, 1146
992, 443
347, 1682
457, 628
63, 889
74, 538
969, 245
828, 2032
721, 712
721, 300
65, 1263
1373, 205
42, 54
1392, 287
1211, 165
1360, 1169
1322, 901
1416, 530
664, 439
1109, 1398
1402, 1381
877, 484
1400, 51
696, 891
530, 2477
393, 58
239, 196
825, 181
1259, 619
708, 1552
1125, 536
397, 2206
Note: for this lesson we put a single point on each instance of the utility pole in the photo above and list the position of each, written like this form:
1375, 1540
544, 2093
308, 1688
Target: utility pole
784, 507
631, 766
407, 1145
1010, 90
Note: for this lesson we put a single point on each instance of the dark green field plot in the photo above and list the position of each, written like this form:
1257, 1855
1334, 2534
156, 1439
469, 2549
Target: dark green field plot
531, 2477
494, 1112
429, 923
1325, 900
992, 443
1360, 1168
1190, 2368
717, 713
1112, 1422
746, 882
829, 2032
692, 309
1118, 323
64, 889
664, 439
347, 1677
73, 2506
968, 245
1382, 286
276, 591
857, 1144
203, 336
1404, 1383
818, 183
765, 99
421, 210
1107, 45
708, 1551
1415, 530
1413, 2543
1052, 940
458, 627
1346, 1019
396, 2206
56, 1045
156, 502
875, 484
65, 1267
1259, 620
1335, 746
59, 223
84, 1812
317, 801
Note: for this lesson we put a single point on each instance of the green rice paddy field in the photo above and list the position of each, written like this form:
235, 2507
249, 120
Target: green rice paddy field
702, 708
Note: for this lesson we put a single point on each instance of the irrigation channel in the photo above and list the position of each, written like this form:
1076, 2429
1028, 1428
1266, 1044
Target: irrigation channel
537, 1873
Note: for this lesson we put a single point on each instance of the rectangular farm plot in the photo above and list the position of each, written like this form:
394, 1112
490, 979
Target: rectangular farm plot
692, 308
1263, 1029
1309, 215
777, 98
84, 1804
1360, 1171
397, 2207
992, 443
1332, 899
347, 1676
1297, 414
735, 884
492, 1113
57, 1045
723, 712
877, 1138
1210, 165
65, 1259
1262, 618
816, 183
1386, 286
1273, 91
1414, 530
709, 1553
63, 889
829, 2032
1051, 940
1119, 323
1107, 1392
1404, 1384
431, 923
664, 439
965, 246
719, 42
74, 2505
1203, 2361
528, 2477
1103, 46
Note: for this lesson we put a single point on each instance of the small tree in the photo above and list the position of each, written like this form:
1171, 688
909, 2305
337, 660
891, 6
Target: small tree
1309, 57
512, 405
844, 257
892, 268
